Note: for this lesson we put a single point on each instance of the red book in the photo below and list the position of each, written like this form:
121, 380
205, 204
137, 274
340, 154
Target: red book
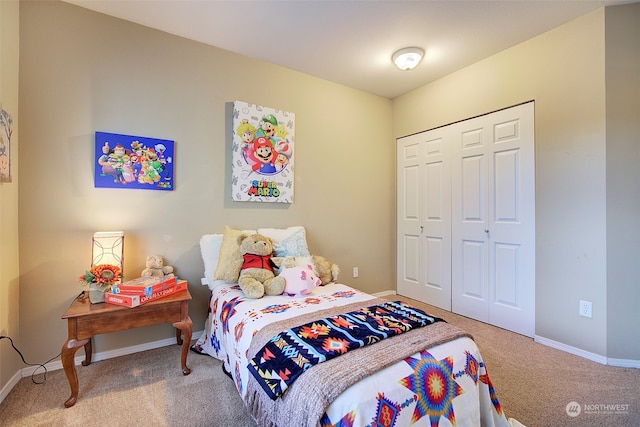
181, 285
136, 300
122, 299
144, 285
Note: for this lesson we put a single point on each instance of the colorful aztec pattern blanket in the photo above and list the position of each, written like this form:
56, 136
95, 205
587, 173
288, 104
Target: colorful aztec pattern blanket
288, 354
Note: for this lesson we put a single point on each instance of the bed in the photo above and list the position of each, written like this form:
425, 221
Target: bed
432, 375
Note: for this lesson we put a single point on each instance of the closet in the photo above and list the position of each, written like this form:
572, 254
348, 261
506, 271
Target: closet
466, 218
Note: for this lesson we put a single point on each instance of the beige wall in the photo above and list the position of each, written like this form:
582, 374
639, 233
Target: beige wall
623, 180
82, 71
587, 193
9, 321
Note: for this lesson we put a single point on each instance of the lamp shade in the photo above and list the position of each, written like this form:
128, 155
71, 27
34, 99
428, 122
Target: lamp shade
108, 248
408, 58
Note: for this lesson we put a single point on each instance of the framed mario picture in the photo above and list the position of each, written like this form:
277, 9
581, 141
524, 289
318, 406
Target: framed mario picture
262, 154
138, 162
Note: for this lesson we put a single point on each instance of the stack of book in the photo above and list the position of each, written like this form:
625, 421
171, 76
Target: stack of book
133, 293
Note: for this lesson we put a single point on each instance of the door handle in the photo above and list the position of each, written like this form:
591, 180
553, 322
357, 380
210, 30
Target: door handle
486, 230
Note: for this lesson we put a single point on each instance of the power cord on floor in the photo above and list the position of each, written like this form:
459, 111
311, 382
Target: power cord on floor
40, 365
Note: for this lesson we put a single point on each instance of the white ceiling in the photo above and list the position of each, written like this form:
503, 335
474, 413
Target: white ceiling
350, 41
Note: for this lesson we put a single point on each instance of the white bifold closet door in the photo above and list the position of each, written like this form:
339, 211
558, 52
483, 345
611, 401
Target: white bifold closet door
424, 217
493, 219
466, 218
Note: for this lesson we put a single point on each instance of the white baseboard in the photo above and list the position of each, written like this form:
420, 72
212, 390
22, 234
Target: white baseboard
384, 293
623, 363
9, 386
103, 355
569, 349
110, 354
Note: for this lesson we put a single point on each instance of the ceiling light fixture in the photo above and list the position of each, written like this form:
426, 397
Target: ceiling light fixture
408, 58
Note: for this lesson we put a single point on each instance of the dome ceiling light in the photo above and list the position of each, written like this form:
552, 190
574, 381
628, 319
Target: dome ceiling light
408, 58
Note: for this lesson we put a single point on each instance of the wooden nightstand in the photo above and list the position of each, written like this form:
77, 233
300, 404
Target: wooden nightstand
84, 320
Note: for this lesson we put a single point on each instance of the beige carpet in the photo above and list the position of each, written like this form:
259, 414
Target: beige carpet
143, 389
534, 383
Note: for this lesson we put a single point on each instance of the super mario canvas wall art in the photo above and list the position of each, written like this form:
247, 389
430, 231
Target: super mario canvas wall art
262, 154
126, 161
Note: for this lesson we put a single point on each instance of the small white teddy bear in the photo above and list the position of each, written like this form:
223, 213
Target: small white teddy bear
156, 268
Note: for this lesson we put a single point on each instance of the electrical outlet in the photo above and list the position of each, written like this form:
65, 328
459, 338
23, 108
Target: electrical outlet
585, 309
355, 272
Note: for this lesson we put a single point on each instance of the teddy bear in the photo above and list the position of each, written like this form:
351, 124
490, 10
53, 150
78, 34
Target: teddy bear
325, 270
156, 268
256, 269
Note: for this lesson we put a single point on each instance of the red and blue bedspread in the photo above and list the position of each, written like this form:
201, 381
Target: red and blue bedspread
290, 353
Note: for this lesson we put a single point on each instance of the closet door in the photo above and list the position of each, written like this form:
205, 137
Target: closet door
424, 217
493, 219
408, 217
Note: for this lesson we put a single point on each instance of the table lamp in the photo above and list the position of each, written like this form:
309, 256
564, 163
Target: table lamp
108, 248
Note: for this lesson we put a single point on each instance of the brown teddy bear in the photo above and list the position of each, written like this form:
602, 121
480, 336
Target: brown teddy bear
156, 268
256, 277
326, 270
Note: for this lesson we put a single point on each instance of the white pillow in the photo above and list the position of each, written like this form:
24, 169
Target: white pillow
290, 241
210, 250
